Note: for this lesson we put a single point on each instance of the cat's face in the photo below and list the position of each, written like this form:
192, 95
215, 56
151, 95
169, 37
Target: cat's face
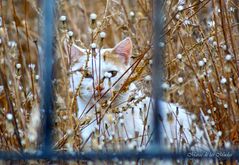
96, 74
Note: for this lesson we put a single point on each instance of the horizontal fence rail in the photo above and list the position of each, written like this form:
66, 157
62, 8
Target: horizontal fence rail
126, 155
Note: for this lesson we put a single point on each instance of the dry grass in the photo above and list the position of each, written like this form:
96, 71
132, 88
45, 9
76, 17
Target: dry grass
202, 72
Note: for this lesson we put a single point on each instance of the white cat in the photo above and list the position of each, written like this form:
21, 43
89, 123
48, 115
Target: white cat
125, 122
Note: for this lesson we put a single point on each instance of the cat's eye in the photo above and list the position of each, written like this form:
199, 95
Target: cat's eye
87, 74
113, 73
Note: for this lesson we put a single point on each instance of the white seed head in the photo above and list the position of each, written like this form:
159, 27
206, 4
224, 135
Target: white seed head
194, 117
65, 117
179, 56
12, 44
212, 123
121, 121
93, 16
37, 77
23, 142
9, 116
210, 24
93, 45
108, 75
69, 131
227, 144
120, 115
102, 35
165, 85
223, 80
205, 60
131, 14
1, 88
209, 111
211, 39
20, 88
132, 87
206, 118
186, 22
18, 66
224, 47
219, 134
177, 16
32, 137
231, 9
161, 44
225, 106
228, 57
70, 33
62, 18
32, 66
110, 138
214, 43
180, 79
180, 7
150, 62
201, 63
148, 78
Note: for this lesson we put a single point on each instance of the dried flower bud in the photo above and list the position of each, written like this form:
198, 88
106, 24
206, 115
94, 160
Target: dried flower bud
62, 18
212, 123
70, 33
93, 16
93, 45
32, 66
223, 80
179, 56
131, 14
209, 111
148, 78
227, 145
108, 75
69, 131
219, 134
18, 66
180, 7
37, 77
9, 116
224, 46
228, 57
102, 35
165, 86
180, 80
12, 44
201, 63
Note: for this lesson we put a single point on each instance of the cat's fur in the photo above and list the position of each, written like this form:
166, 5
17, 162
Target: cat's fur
123, 128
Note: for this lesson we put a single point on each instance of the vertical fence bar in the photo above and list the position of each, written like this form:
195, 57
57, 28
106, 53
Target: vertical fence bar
46, 66
157, 68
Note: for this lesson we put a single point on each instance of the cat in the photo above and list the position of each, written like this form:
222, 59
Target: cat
126, 123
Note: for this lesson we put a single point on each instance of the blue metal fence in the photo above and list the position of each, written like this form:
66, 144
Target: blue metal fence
154, 151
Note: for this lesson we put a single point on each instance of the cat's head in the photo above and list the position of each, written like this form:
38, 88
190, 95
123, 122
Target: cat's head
107, 67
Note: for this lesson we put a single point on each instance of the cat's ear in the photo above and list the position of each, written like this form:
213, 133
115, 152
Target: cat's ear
124, 49
73, 51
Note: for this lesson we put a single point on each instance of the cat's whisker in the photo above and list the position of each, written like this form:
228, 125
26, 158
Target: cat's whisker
81, 115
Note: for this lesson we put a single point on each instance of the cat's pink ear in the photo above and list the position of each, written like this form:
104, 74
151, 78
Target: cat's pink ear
73, 51
124, 49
